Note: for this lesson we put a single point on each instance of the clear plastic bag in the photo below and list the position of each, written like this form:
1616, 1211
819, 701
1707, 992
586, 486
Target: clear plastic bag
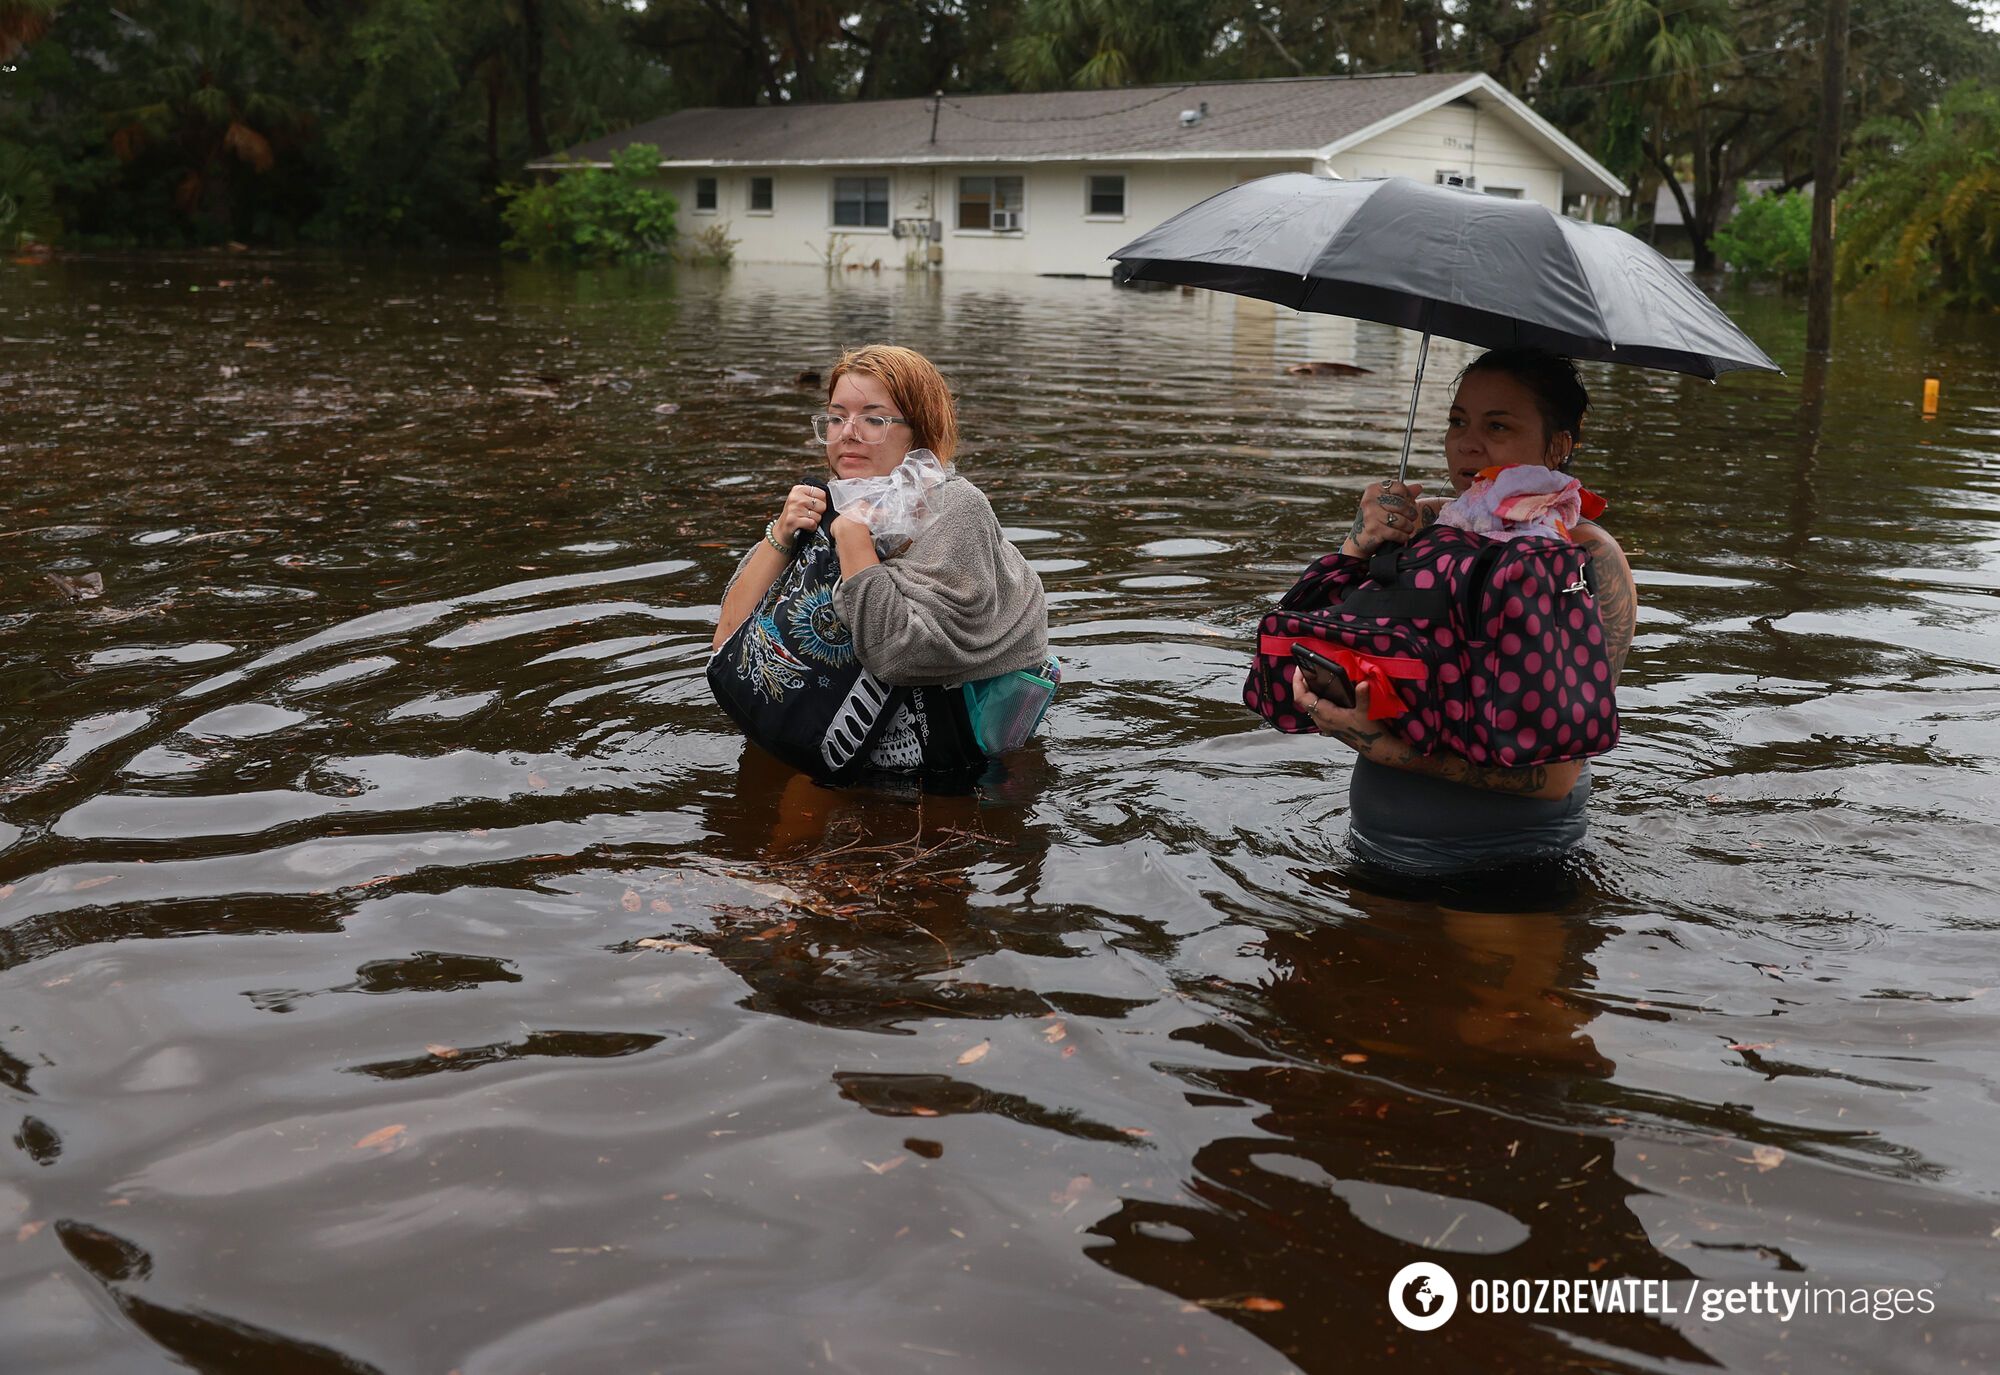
1006, 710
895, 508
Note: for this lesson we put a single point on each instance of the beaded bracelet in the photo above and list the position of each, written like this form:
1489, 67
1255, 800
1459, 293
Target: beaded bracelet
771, 537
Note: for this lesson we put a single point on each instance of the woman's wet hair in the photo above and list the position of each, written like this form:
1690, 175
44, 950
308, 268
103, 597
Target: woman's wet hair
1559, 395
915, 385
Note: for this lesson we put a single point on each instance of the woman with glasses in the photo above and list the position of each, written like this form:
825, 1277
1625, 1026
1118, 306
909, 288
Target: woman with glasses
958, 605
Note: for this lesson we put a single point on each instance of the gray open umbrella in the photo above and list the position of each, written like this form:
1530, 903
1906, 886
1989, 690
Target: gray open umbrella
1444, 260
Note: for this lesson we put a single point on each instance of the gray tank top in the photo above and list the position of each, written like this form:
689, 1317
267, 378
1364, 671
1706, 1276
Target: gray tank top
1418, 824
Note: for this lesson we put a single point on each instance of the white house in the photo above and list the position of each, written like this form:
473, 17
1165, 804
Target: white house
1051, 182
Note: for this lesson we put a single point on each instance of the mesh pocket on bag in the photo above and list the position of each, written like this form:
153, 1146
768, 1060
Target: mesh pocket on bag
1006, 710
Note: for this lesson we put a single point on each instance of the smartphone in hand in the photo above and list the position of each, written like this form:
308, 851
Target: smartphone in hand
1326, 678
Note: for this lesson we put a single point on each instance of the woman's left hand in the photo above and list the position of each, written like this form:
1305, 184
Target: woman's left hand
1349, 725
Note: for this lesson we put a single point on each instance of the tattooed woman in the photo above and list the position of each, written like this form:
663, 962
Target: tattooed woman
1441, 812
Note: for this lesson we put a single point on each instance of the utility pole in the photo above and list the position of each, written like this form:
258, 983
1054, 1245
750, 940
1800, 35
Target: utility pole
1826, 177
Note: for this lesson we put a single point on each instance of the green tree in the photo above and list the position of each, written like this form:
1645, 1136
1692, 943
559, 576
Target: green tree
195, 108
1087, 44
1707, 93
22, 22
27, 201
1769, 236
1921, 219
763, 52
405, 157
593, 214
1653, 68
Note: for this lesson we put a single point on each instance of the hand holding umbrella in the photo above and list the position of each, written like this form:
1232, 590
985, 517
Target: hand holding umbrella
1389, 513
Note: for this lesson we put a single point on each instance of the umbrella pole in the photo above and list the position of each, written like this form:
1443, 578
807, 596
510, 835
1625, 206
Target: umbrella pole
1410, 426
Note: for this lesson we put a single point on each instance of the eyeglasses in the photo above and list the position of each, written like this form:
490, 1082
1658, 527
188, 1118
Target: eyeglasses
869, 429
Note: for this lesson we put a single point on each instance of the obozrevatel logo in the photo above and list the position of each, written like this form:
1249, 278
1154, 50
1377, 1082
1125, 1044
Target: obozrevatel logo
1423, 1296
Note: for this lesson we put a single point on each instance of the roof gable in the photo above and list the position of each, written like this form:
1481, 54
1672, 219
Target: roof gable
1490, 95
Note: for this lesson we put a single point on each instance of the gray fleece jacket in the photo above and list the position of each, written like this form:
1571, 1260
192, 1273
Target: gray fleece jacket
958, 605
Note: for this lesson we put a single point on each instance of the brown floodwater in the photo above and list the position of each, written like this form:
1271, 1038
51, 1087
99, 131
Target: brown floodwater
403, 967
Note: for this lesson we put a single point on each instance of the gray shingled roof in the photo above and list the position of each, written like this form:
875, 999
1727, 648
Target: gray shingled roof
1244, 119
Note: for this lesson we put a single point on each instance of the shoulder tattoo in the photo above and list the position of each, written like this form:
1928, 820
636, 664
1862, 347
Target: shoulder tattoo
1617, 599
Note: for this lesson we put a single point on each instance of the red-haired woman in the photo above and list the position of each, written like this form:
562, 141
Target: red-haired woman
959, 604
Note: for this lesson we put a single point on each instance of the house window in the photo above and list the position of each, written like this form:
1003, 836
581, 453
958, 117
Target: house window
861, 202
704, 193
1106, 196
989, 203
760, 195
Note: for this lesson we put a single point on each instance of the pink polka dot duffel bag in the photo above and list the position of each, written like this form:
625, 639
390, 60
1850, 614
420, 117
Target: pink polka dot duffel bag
1492, 649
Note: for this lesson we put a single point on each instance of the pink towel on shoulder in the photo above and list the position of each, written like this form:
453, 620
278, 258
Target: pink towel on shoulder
1524, 499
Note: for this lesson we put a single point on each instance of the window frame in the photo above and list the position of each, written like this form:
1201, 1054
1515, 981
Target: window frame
993, 205
770, 206
1124, 197
833, 203
714, 207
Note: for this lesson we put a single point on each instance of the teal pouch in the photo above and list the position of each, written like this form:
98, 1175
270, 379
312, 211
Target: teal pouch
1006, 710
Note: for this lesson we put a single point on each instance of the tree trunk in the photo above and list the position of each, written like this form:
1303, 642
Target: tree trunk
758, 53
878, 44
1707, 207
1826, 177
531, 79
1427, 36
492, 124
1673, 184
802, 56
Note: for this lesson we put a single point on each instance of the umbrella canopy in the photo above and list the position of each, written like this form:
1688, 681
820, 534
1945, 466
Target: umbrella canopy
1444, 260
1482, 269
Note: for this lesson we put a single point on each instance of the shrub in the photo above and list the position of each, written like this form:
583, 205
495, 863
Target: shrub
27, 201
1769, 236
592, 214
709, 247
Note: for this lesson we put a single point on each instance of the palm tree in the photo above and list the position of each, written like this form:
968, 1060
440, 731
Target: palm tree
201, 111
22, 22
1096, 44
1922, 217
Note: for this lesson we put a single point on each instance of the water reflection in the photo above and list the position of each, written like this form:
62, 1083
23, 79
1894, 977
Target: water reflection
385, 909
1422, 1085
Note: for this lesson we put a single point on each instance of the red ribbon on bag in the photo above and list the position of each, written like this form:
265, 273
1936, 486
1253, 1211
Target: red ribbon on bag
1377, 671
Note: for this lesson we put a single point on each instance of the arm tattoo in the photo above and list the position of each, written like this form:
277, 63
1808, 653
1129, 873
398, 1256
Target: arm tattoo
1354, 530
1617, 601
1532, 779
1361, 741
1453, 768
